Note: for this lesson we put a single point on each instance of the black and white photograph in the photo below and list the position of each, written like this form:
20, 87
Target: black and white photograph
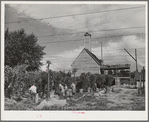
74, 60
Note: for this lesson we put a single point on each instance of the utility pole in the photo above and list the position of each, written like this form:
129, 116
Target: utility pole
101, 53
116, 77
75, 82
102, 58
48, 95
140, 81
136, 66
136, 59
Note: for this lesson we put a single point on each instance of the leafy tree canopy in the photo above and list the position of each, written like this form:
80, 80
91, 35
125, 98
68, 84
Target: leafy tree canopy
21, 48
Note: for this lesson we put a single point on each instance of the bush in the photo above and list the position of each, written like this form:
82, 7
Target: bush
89, 80
19, 76
100, 80
125, 81
8, 76
110, 81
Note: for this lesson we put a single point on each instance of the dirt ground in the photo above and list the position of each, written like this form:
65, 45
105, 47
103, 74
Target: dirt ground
122, 99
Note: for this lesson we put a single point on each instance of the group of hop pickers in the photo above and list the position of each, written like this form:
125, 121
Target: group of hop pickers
63, 91
68, 86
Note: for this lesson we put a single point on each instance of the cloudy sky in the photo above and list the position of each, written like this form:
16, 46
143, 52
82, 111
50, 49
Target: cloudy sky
61, 28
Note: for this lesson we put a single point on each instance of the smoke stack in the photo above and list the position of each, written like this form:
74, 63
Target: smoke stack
87, 41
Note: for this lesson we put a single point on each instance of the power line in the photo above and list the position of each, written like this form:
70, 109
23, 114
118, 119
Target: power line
58, 67
106, 59
115, 56
55, 66
75, 14
120, 56
117, 59
92, 38
123, 49
93, 31
106, 50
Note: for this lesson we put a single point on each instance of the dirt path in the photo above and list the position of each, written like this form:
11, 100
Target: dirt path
123, 99
126, 99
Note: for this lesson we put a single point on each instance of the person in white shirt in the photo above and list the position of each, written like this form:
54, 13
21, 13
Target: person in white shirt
33, 91
62, 89
66, 89
73, 88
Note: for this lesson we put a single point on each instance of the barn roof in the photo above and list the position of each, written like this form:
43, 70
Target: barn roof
98, 61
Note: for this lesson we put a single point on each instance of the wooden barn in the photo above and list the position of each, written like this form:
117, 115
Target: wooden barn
86, 62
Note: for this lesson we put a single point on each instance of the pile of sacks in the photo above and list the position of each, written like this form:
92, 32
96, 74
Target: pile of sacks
127, 86
100, 93
10, 101
107, 90
54, 100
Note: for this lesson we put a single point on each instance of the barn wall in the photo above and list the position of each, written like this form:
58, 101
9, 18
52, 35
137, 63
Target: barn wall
84, 63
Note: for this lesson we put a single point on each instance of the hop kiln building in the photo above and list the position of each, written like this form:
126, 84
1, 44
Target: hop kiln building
86, 61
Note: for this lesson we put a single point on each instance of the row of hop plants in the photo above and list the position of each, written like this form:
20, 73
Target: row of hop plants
20, 76
87, 80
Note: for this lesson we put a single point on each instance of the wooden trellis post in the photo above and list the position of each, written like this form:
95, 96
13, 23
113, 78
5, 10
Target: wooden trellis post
48, 95
74, 72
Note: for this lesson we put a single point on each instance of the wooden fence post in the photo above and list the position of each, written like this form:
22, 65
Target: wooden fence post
143, 79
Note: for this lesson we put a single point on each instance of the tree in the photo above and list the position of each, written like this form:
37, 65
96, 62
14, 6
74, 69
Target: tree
21, 48
92, 81
83, 80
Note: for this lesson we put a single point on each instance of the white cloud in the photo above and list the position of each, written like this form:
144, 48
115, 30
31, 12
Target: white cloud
91, 22
71, 54
98, 21
113, 52
63, 60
